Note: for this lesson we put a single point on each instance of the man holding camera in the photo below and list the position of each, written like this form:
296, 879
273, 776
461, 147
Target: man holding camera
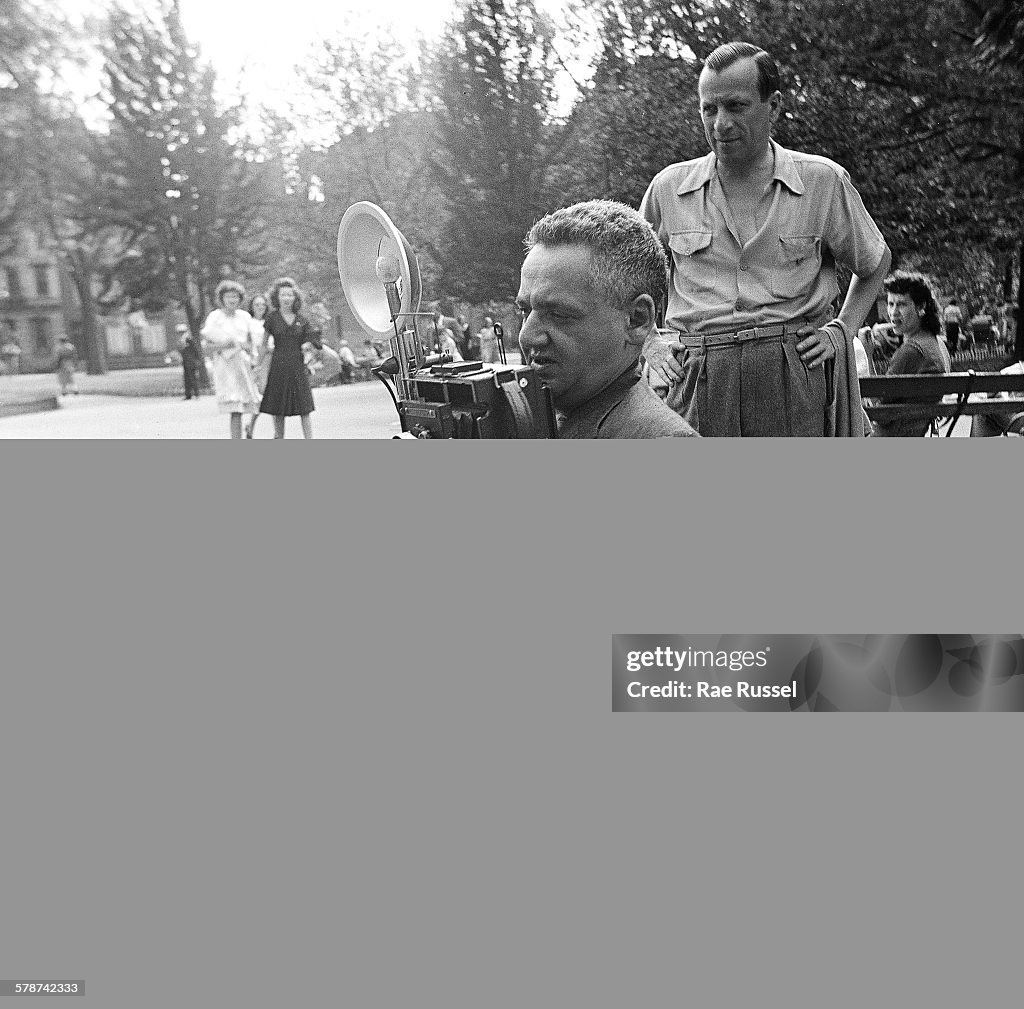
754, 232
591, 284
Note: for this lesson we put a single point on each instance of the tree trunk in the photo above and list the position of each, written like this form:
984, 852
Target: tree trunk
94, 348
1018, 342
195, 324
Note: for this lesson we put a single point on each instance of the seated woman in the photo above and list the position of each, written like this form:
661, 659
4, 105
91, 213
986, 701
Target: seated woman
914, 315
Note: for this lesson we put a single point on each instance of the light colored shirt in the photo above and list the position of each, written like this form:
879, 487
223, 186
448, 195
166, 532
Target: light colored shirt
786, 271
488, 345
228, 334
448, 345
861, 357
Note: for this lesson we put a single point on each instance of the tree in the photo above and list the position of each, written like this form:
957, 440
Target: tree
32, 41
929, 138
358, 129
998, 30
180, 180
44, 160
496, 142
998, 27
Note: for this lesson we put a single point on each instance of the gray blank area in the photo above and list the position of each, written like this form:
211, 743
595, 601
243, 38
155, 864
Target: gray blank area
333, 727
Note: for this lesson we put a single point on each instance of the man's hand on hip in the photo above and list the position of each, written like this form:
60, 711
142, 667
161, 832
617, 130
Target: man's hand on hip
659, 352
817, 347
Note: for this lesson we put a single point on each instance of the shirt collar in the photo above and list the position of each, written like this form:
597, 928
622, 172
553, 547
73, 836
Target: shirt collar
700, 172
785, 169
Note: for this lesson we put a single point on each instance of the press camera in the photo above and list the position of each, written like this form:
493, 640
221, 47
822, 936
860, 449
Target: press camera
435, 396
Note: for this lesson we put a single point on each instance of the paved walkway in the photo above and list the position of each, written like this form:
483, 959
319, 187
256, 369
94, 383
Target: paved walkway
360, 410
363, 410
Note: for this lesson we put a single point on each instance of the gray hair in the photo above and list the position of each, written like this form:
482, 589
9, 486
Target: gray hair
627, 259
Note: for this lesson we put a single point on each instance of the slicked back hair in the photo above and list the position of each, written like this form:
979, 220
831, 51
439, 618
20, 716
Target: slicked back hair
768, 79
627, 259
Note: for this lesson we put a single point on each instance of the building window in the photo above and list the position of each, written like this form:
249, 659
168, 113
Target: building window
13, 282
42, 272
42, 334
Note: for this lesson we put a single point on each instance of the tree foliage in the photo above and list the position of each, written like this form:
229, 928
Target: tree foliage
998, 27
358, 130
178, 179
33, 43
466, 143
931, 139
493, 79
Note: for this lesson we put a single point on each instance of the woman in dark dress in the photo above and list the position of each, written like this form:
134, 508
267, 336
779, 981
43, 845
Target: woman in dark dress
288, 393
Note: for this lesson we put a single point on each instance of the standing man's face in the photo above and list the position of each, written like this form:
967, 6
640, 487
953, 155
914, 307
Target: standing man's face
737, 123
574, 339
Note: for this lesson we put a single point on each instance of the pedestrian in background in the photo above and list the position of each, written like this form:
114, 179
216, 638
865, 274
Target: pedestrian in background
462, 336
230, 333
288, 393
953, 318
348, 363
11, 351
444, 339
264, 350
66, 361
191, 361
488, 338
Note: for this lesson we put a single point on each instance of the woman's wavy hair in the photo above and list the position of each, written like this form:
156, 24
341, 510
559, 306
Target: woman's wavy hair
922, 294
229, 285
252, 303
285, 282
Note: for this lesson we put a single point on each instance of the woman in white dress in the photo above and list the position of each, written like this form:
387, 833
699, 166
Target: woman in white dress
230, 333
258, 308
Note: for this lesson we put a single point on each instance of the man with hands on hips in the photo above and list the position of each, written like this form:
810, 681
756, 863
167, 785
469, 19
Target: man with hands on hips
754, 232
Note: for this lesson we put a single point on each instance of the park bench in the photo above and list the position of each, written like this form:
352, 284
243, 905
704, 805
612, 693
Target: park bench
960, 394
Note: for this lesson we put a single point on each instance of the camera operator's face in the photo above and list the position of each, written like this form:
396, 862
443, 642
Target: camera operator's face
575, 341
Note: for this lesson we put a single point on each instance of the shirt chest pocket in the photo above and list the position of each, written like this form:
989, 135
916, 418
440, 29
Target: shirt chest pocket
797, 265
693, 259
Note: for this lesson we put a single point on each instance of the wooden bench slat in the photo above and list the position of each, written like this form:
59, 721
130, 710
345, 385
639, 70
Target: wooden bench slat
932, 395
939, 385
924, 411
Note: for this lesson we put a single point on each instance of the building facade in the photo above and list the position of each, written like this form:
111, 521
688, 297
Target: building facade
37, 307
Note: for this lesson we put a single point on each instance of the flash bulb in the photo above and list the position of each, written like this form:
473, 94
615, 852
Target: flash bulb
389, 269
